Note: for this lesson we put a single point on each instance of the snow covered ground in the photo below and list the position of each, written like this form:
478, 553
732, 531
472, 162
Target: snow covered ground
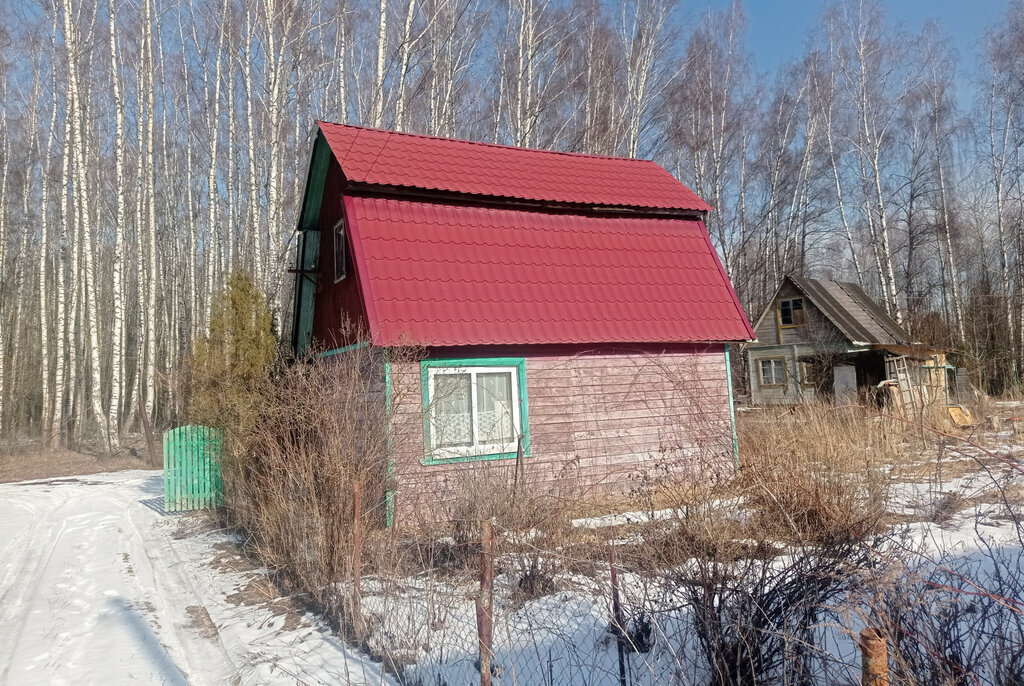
98, 587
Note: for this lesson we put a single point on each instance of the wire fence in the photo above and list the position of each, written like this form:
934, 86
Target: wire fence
496, 618
495, 609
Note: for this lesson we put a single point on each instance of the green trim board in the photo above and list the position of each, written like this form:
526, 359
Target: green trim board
312, 199
345, 349
524, 417
308, 253
732, 411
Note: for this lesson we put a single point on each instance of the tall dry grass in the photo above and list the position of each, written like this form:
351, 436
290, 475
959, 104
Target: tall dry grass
819, 474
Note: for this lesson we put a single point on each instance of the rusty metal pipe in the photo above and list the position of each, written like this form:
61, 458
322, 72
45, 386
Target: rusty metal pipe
874, 658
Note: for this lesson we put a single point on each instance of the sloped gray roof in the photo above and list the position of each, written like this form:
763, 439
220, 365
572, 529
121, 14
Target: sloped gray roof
855, 314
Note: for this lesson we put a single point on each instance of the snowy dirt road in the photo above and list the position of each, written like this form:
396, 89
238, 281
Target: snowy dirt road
98, 587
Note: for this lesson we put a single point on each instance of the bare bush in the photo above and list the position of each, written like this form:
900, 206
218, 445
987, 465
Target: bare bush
312, 433
955, 619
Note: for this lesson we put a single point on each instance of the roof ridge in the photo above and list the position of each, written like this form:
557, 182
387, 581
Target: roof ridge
502, 146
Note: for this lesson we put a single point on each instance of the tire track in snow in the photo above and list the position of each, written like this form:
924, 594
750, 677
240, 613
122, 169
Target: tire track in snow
74, 609
24, 581
96, 588
164, 577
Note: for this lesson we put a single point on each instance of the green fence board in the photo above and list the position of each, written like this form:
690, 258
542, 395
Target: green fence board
192, 478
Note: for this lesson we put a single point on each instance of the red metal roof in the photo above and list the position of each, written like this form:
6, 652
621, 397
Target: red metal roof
401, 159
443, 275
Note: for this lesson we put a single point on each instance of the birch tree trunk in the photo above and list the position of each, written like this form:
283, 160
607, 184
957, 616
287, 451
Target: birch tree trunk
149, 175
939, 138
48, 412
377, 107
117, 278
405, 49
79, 115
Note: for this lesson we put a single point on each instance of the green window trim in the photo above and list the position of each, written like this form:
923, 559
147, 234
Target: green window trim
524, 418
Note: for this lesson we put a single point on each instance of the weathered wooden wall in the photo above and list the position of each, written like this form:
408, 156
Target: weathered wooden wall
818, 328
600, 420
795, 391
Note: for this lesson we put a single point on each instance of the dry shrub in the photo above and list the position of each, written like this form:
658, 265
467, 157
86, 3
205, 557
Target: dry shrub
300, 437
818, 474
309, 433
318, 429
956, 619
535, 539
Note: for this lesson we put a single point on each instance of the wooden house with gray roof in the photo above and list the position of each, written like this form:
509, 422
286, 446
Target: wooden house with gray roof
820, 340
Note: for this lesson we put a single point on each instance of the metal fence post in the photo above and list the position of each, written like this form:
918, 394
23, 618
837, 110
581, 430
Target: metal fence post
357, 562
618, 621
485, 601
874, 658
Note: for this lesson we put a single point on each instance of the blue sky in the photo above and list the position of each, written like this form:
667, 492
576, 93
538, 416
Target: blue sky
777, 29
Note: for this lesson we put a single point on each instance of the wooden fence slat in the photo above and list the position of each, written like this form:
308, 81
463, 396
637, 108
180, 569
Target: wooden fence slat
176, 461
192, 478
168, 470
182, 451
204, 459
190, 448
207, 471
193, 482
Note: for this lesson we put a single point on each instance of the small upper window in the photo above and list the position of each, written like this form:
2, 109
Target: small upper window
339, 251
791, 312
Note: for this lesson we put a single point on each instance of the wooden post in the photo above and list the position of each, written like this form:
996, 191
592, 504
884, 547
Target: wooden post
485, 601
874, 658
147, 428
357, 562
518, 476
618, 622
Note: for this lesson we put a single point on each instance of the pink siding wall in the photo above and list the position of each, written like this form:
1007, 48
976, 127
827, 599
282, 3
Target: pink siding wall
598, 421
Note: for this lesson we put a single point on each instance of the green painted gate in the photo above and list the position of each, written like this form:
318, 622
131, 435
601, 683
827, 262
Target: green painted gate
192, 478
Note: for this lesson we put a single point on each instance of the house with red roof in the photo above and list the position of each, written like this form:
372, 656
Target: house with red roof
572, 317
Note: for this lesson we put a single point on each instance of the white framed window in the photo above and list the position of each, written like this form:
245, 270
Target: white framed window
772, 371
340, 271
472, 411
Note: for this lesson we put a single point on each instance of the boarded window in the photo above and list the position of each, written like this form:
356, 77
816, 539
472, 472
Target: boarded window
791, 312
807, 373
773, 371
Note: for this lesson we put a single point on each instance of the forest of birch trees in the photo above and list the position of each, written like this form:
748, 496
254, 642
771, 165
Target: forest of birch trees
149, 148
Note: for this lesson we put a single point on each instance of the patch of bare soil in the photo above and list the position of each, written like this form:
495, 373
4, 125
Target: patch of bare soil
200, 622
231, 558
191, 524
259, 590
56, 463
